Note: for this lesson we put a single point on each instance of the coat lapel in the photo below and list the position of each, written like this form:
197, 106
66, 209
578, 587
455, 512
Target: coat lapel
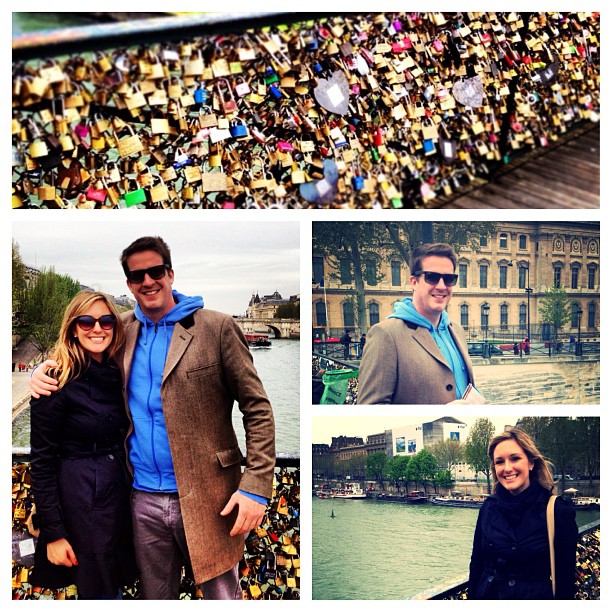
181, 338
424, 338
132, 329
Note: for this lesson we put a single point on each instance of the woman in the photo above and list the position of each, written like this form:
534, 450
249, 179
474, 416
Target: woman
511, 557
79, 478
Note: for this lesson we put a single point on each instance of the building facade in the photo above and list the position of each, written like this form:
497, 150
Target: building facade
265, 307
500, 288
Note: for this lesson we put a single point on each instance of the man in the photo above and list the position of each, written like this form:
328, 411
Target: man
346, 342
184, 367
418, 356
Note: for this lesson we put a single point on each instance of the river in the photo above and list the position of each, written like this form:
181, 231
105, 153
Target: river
278, 368
380, 550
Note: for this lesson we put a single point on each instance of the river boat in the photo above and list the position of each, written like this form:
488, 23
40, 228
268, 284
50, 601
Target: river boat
258, 341
349, 491
413, 497
586, 503
459, 502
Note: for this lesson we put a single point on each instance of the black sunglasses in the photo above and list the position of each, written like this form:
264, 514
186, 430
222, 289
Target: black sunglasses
156, 272
433, 278
87, 322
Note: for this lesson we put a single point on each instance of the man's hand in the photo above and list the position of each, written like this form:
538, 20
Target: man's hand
250, 513
60, 553
40, 383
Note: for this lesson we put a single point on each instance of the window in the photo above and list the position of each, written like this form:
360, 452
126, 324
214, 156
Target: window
503, 273
396, 273
522, 273
483, 241
575, 277
348, 314
522, 242
522, 317
370, 272
317, 270
345, 271
591, 321
465, 311
321, 315
374, 314
591, 279
503, 316
463, 276
557, 276
483, 276
503, 241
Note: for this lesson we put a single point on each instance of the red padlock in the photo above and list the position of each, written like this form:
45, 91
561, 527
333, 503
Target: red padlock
379, 137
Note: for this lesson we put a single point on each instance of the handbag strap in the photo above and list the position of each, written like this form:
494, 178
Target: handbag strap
550, 524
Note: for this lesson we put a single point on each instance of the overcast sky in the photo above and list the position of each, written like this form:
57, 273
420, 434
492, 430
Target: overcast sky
326, 427
223, 262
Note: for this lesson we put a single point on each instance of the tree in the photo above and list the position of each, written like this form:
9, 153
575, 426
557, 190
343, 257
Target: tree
18, 287
588, 446
554, 308
407, 235
358, 244
476, 447
291, 310
396, 470
44, 302
442, 478
376, 464
424, 467
448, 453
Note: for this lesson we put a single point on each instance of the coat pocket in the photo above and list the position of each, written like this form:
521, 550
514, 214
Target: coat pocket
229, 456
207, 370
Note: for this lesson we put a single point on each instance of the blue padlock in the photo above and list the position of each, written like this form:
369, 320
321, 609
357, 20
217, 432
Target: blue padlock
358, 182
276, 92
238, 128
200, 95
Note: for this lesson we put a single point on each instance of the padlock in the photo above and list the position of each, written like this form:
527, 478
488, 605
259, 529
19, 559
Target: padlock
180, 158
200, 95
238, 128
242, 87
226, 96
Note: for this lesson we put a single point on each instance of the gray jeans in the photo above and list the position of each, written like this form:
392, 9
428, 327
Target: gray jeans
161, 550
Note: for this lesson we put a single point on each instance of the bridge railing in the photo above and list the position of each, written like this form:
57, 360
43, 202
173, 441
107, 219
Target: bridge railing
587, 571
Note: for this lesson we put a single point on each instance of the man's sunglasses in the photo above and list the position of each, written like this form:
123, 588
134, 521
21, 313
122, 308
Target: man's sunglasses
433, 278
87, 323
156, 272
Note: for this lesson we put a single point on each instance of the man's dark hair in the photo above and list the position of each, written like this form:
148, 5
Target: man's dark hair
146, 243
438, 249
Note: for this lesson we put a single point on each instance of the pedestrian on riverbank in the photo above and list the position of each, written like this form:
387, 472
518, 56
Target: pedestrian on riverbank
80, 480
511, 557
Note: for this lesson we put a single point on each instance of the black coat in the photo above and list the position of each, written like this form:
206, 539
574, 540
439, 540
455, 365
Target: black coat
80, 483
511, 558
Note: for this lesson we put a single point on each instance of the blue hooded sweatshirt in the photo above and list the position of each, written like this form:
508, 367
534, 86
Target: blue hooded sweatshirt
149, 448
406, 311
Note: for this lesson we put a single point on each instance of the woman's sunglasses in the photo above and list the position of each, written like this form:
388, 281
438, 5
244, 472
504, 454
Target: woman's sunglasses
156, 272
433, 278
87, 323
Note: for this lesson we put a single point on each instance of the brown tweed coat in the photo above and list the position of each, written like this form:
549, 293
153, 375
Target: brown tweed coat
402, 364
208, 367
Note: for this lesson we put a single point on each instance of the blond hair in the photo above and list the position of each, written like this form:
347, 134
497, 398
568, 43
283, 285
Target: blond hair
68, 352
542, 467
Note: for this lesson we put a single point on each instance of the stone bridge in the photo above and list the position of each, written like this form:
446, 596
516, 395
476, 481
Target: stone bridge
281, 328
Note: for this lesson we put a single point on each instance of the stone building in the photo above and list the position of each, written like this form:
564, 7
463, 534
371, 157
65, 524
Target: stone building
265, 307
500, 287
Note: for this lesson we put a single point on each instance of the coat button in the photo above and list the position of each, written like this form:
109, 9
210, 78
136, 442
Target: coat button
110, 458
511, 583
490, 578
449, 387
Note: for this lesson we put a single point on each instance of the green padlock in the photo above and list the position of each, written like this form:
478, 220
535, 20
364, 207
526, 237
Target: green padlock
135, 197
375, 154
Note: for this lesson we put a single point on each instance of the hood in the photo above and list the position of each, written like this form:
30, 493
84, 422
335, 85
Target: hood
406, 311
184, 306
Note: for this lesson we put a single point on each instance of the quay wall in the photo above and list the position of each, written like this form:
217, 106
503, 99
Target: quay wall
539, 382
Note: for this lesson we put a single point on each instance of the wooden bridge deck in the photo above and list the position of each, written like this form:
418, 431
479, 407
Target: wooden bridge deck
564, 175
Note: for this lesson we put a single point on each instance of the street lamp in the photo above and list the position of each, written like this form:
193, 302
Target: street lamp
578, 345
486, 350
528, 291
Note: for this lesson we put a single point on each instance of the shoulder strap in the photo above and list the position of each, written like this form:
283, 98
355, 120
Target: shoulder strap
550, 524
